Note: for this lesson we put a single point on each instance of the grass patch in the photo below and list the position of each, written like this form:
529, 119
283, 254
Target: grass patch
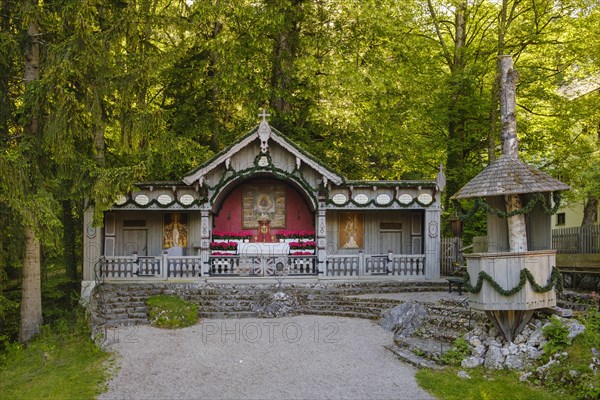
459, 351
62, 363
171, 312
577, 373
483, 385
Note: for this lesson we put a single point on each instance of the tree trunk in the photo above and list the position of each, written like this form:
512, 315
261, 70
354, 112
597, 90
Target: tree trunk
508, 102
214, 91
503, 24
98, 129
284, 57
31, 295
517, 229
31, 301
6, 107
590, 211
69, 245
455, 150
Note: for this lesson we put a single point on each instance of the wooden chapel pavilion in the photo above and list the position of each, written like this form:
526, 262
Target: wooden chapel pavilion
264, 207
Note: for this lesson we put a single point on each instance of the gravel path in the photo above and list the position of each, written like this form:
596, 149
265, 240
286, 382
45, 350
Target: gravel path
304, 357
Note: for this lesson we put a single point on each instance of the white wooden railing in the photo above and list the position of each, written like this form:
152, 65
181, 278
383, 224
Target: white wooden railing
352, 265
184, 266
132, 267
260, 265
118, 267
361, 264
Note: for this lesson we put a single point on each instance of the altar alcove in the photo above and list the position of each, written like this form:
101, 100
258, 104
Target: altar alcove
280, 205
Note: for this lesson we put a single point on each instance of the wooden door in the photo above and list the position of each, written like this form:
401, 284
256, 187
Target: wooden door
135, 240
390, 240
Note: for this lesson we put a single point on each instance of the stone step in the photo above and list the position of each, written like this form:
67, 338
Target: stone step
430, 349
411, 358
334, 313
218, 309
351, 308
448, 322
225, 302
443, 309
441, 335
123, 322
381, 290
227, 314
137, 316
353, 301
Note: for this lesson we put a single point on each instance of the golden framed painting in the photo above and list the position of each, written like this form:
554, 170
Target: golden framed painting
263, 202
351, 230
175, 230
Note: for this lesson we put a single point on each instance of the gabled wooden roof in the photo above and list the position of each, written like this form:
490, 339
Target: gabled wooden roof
509, 175
255, 135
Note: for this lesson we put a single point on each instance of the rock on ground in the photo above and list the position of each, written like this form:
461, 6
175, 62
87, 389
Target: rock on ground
404, 319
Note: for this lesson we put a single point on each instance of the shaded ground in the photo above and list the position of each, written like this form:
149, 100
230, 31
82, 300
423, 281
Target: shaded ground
304, 357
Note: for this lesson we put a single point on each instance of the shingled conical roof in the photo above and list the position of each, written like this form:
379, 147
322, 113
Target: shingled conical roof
509, 175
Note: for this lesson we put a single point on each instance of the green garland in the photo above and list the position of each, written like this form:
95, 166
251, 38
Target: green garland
372, 202
554, 281
196, 202
295, 175
537, 198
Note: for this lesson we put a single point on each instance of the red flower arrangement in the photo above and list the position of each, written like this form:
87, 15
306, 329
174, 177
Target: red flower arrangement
303, 245
231, 235
223, 245
291, 234
301, 253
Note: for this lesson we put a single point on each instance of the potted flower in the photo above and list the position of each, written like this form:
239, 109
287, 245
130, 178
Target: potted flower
222, 253
227, 236
224, 246
301, 253
308, 246
294, 235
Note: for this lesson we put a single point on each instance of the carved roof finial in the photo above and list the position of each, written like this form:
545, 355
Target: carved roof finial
264, 131
264, 115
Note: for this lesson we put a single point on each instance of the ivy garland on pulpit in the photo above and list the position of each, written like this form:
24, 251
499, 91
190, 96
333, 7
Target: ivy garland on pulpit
555, 281
537, 198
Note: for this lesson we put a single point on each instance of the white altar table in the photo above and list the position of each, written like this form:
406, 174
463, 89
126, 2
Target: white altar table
263, 248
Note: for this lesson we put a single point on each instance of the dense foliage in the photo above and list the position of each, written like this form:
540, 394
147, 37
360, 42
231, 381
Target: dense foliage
98, 94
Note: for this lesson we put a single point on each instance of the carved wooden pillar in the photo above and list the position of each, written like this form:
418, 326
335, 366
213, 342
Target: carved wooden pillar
92, 244
432, 243
205, 233
321, 236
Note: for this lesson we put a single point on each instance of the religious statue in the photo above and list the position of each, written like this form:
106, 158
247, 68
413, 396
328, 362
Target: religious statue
175, 233
264, 230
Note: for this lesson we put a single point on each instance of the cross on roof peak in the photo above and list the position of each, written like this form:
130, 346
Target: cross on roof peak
264, 115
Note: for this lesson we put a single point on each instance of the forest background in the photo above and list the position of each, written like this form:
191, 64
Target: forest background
96, 95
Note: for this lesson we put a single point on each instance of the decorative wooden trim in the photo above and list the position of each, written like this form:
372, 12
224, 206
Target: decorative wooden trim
417, 245
109, 246
415, 224
109, 224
